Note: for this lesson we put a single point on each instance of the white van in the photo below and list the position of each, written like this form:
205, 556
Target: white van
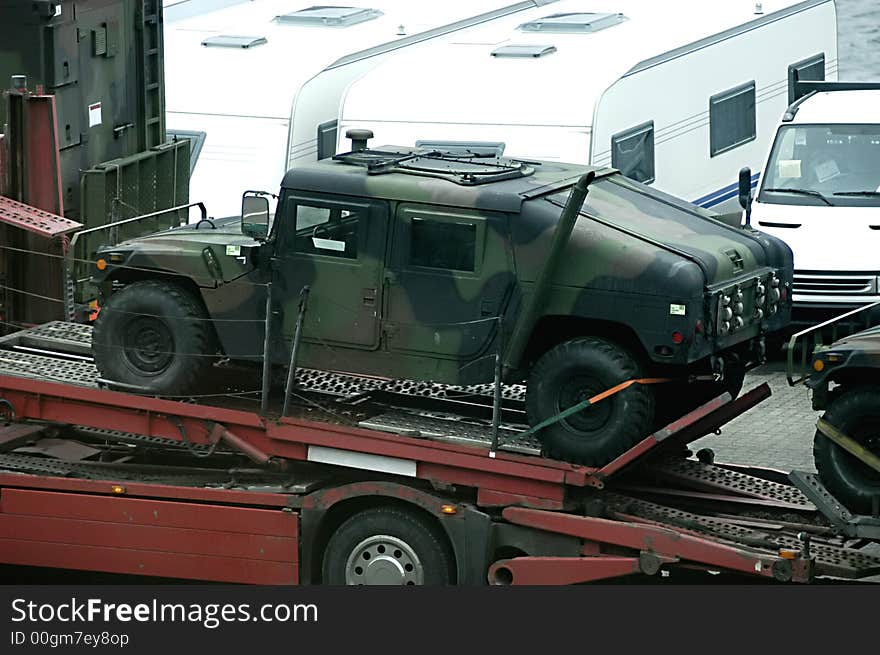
677, 94
231, 76
820, 193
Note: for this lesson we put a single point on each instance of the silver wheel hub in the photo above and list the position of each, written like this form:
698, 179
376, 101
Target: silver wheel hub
384, 560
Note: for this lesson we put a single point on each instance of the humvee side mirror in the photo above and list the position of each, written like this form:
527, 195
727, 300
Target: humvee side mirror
745, 192
255, 216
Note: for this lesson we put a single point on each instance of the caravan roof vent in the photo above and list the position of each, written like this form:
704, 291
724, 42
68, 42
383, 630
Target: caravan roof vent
329, 16
574, 23
526, 50
230, 41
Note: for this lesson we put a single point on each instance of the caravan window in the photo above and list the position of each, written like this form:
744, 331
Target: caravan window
812, 69
731, 118
327, 139
632, 152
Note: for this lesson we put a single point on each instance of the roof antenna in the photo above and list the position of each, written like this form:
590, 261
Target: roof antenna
359, 139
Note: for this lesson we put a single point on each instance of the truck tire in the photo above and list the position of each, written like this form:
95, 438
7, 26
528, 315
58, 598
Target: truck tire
388, 546
856, 413
574, 371
155, 336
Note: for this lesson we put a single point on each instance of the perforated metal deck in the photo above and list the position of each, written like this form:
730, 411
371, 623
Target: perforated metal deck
835, 560
34, 220
453, 430
714, 478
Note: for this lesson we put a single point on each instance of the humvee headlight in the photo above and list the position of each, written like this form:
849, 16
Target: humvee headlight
101, 264
818, 365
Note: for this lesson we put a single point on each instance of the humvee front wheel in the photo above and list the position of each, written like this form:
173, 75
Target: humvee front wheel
574, 371
155, 336
856, 413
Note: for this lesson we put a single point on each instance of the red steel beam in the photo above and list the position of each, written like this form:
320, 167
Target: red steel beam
560, 570
650, 538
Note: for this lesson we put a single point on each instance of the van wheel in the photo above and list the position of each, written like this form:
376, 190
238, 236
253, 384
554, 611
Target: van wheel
856, 413
388, 546
155, 336
574, 371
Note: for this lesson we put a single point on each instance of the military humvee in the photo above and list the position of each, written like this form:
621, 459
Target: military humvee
422, 264
845, 382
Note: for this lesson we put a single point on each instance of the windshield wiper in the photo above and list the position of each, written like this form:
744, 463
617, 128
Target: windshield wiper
857, 193
805, 192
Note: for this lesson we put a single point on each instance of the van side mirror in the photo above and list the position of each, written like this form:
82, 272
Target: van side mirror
745, 187
254, 215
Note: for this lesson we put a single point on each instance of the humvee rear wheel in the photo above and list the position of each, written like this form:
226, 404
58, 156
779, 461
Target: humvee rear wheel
856, 413
153, 335
574, 371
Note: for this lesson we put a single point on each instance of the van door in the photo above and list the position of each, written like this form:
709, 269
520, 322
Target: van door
450, 276
337, 248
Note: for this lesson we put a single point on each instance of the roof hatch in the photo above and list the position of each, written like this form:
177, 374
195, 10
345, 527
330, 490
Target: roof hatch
463, 169
573, 23
329, 16
525, 50
232, 41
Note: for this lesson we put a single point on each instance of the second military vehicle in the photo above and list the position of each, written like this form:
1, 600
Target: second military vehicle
424, 265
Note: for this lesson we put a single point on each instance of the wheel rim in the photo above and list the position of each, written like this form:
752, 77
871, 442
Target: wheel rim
148, 345
384, 560
591, 419
868, 436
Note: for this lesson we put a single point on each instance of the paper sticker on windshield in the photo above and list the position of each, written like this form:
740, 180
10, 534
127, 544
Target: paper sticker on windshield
233, 251
827, 170
677, 310
789, 167
328, 244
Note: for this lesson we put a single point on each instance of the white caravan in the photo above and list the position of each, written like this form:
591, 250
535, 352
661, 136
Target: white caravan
677, 94
232, 75
820, 193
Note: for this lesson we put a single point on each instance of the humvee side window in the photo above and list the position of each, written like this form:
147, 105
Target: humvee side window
327, 231
443, 244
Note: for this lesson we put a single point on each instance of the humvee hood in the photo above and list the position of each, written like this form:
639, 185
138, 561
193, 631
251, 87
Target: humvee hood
721, 251
226, 231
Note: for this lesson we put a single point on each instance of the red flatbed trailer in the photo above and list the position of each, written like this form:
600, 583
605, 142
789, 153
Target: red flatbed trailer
99, 480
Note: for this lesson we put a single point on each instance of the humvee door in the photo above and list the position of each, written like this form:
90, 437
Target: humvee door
449, 275
337, 249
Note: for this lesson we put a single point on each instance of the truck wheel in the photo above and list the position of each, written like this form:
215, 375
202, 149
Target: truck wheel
154, 335
856, 413
387, 546
574, 371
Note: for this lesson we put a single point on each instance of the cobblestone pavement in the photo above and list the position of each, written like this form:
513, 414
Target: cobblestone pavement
777, 433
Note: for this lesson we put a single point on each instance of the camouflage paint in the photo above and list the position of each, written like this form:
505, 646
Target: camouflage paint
634, 255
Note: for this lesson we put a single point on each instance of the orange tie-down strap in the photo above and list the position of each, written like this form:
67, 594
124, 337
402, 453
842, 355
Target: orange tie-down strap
591, 401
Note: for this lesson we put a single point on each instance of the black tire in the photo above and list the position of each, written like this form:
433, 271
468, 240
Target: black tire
404, 548
153, 335
856, 413
579, 369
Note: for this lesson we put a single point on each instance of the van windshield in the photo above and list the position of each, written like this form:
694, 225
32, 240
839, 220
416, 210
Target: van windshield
824, 165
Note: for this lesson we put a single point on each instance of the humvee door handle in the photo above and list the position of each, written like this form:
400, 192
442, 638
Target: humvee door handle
369, 297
